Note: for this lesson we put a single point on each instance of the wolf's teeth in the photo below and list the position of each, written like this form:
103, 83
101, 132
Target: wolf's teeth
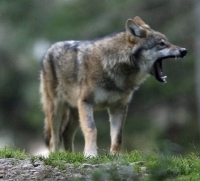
164, 78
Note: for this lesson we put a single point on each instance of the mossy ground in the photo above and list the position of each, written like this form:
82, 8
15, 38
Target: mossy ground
129, 166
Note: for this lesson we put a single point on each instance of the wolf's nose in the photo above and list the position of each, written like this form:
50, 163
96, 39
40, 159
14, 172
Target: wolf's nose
183, 52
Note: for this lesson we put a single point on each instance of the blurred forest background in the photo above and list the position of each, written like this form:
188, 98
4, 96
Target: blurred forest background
161, 117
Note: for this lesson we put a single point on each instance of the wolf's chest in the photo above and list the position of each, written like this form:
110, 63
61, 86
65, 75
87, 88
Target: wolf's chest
104, 98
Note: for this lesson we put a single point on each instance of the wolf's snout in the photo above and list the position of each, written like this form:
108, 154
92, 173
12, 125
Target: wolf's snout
183, 52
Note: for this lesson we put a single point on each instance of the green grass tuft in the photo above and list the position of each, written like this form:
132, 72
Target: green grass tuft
12, 153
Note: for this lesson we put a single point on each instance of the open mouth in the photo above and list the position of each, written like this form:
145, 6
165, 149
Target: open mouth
157, 69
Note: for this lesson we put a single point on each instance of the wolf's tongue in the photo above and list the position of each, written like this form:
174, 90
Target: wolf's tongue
159, 72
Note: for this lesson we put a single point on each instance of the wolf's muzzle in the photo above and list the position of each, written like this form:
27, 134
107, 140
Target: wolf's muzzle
183, 51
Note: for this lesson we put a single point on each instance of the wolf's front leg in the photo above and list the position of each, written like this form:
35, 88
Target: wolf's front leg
88, 127
117, 117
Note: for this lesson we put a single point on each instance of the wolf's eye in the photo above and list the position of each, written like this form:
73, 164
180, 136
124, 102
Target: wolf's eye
162, 43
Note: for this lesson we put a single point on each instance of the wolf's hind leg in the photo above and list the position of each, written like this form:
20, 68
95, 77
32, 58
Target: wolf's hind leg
53, 120
53, 117
72, 121
56, 122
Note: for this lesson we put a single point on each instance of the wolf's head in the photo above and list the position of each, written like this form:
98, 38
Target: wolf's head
150, 48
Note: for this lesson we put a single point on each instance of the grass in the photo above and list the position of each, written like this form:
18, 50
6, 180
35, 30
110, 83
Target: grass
11, 153
130, 166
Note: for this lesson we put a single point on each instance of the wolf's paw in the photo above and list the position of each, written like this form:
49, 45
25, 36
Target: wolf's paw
90, 154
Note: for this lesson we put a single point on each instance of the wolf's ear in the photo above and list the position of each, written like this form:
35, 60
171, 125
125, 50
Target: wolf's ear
140, 22
134, 29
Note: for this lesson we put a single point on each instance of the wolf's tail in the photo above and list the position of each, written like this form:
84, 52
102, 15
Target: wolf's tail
48, 83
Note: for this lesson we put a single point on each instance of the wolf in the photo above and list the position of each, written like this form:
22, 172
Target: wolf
79, 77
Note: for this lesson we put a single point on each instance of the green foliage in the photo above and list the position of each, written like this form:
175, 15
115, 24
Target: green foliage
175, 167
12, 153
61, 158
